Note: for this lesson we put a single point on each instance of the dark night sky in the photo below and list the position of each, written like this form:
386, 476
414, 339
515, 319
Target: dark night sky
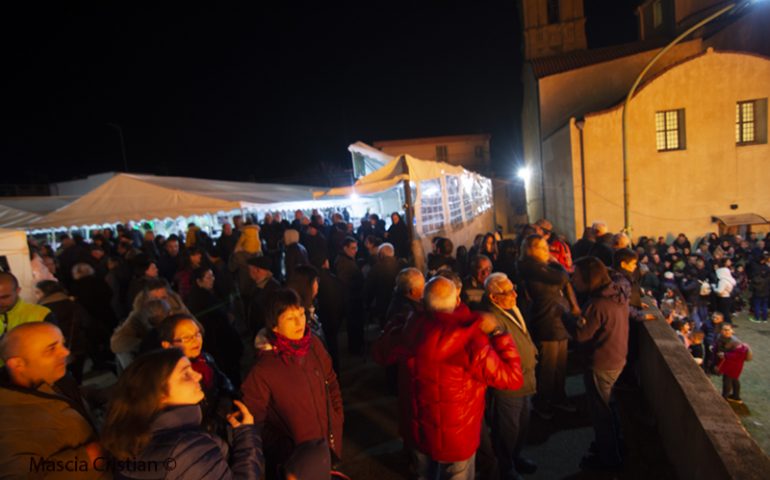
247, 92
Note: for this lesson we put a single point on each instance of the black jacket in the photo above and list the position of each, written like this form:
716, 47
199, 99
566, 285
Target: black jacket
176, 434
544, 304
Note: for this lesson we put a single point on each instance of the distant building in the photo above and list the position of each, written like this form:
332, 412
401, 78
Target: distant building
552, 27
468, 151
567, 92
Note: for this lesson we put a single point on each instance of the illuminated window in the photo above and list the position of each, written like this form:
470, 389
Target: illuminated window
441, 153
431, 206
454, 200
669, 130
751, 121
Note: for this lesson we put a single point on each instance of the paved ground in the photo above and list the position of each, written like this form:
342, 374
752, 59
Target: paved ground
372, 448
755, 388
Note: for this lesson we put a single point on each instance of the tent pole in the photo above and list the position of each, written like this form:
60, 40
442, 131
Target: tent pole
408, 206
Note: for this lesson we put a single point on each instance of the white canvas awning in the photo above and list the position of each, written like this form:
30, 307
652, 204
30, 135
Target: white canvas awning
127, 197
19, 212
13, 246
403, 167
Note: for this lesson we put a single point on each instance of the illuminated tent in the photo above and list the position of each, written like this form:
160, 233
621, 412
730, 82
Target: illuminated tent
448, 200
128, 197
19, 212
14, 255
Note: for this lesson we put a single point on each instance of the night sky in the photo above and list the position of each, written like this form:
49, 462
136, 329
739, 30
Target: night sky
259, 93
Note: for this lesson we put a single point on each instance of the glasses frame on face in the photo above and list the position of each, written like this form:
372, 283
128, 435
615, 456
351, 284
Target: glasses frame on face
188, 339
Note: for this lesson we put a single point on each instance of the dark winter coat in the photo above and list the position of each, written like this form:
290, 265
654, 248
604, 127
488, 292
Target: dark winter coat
296, 399
543, 285
605, 330
221, 339
380, 284
73, 321
398, 235
176, 434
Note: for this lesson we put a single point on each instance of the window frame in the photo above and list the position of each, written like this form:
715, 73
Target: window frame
680, 130
758, 122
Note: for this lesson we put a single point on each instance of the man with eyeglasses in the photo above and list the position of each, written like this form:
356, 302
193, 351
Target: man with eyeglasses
508, 410
473, 284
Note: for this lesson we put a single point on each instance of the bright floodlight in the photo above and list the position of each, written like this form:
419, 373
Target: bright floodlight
354, 196
525, 173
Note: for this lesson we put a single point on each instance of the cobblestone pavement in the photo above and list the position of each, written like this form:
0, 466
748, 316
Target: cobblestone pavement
755, 380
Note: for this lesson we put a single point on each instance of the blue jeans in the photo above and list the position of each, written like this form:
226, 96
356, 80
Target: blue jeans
604, 415
759, 307
429, 469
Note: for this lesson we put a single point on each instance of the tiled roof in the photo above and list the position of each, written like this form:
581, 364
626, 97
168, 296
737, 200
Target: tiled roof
543, 67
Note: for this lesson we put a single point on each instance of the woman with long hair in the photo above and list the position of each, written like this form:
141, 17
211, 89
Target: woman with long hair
488, 247
153, 421
292, 389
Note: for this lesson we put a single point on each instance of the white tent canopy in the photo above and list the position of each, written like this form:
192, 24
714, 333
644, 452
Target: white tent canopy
13, 246
448, 200
402, 167
127, 197
18, 212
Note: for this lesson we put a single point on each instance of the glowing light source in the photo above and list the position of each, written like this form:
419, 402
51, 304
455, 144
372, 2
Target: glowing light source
354, 196
524, 173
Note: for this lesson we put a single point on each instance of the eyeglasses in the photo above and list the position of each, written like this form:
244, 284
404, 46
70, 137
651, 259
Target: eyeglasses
507, 293
188, 338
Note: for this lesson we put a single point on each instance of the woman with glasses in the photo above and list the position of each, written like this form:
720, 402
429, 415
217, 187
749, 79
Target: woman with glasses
292, 389
185, 333
153, 425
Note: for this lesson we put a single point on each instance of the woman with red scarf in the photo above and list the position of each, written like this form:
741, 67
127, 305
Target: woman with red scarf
292, 389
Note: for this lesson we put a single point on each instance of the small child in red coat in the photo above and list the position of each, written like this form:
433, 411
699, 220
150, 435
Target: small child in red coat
731, 355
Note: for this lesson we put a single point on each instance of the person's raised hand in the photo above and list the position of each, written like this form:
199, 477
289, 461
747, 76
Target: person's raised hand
241, 417
488, 323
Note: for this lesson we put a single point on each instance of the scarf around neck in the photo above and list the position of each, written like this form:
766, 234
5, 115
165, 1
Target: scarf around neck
288, 348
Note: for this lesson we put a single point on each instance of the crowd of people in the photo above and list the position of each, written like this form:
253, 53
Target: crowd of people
227, 351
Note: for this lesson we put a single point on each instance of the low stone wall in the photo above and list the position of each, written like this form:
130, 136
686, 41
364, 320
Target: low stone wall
703, 437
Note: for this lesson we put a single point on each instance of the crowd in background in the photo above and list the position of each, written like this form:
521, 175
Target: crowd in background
227, 351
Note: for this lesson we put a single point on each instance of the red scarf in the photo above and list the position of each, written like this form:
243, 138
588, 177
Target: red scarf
201, 366
288, 348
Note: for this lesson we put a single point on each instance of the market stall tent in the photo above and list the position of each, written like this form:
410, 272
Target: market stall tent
14, 256
129, 197
448, 200
19, 212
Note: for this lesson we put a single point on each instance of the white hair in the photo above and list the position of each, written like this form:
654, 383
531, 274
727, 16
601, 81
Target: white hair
494, 283
81, 270
600, 228
386, 250
407, 279
440, 295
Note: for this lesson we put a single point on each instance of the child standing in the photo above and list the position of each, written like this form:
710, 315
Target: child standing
732, 354
697, 349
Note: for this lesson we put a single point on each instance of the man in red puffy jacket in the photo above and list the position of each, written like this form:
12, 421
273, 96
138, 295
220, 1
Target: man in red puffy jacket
453, 354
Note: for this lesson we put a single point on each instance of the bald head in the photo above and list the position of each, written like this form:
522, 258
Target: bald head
34, 353
440, 295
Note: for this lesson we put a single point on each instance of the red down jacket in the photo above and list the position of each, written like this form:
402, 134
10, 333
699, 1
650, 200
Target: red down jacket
451, 362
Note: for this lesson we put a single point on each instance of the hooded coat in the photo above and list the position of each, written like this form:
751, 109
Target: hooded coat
725, 282
605, 330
